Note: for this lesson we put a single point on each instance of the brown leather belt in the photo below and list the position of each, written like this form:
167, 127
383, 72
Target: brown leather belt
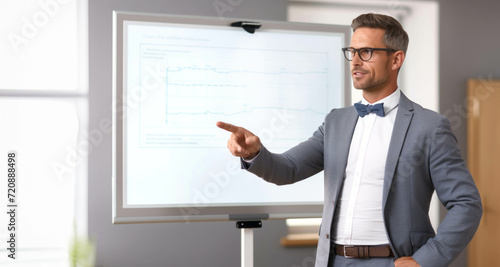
363, 252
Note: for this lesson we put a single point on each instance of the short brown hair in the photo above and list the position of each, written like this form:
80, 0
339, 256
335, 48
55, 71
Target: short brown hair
395, 36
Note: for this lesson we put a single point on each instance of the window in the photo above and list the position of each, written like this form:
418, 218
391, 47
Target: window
43, 102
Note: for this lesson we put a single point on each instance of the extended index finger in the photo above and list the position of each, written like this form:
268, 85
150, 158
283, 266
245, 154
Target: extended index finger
227, 126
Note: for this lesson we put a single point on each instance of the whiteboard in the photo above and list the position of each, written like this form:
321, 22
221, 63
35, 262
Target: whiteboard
176, 76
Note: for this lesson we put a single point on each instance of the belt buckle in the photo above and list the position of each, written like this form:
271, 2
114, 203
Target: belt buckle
348, 257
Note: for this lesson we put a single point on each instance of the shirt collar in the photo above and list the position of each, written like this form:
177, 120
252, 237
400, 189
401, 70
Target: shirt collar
390, 102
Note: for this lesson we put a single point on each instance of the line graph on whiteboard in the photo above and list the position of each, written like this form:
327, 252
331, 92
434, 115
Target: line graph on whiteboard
272, 93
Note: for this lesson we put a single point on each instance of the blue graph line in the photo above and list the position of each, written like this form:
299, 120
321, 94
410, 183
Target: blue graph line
206, 84
215, 70
209, 68
166, 95
246, 111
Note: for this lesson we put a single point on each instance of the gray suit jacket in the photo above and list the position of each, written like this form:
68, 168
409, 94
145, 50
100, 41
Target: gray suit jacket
423, 157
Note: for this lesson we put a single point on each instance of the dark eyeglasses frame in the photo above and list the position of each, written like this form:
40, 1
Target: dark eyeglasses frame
346, 49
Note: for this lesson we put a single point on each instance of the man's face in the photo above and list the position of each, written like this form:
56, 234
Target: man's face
372, 75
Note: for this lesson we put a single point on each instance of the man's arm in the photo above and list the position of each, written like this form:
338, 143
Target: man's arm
458, 193
299, 162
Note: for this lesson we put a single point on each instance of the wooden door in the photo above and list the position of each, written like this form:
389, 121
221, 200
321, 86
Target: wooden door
483, 157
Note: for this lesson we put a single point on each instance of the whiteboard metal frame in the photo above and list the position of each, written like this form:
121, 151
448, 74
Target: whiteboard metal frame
122, 214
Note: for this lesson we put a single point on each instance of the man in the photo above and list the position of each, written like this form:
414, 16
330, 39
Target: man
380, 168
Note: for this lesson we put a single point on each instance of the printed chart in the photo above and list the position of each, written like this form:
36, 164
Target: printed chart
285, 91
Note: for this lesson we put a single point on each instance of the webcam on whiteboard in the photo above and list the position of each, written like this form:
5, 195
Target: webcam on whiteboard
248, 26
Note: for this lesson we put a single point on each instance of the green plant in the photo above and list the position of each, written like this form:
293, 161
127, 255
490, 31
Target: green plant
81, 251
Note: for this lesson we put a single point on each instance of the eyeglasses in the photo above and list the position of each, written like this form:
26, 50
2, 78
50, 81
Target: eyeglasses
364, 53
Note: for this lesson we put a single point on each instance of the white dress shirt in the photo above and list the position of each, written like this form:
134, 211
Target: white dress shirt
359, 219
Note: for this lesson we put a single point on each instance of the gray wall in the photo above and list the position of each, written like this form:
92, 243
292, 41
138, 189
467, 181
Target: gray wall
176, 244
469, 42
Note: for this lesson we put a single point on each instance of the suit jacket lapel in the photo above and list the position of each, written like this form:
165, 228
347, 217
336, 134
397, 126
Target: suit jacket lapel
401, 125
345, 130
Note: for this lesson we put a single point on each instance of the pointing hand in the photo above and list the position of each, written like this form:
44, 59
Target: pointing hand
241, 143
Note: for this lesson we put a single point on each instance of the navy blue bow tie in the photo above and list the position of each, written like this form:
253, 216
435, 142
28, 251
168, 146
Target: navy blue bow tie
366, 109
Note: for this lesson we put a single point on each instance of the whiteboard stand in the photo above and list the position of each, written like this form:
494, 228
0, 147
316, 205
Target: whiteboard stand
247, 247
247, 228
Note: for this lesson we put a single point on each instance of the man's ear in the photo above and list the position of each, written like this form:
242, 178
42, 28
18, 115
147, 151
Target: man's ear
397, 61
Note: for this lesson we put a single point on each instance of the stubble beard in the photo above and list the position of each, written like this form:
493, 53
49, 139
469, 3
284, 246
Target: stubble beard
370, 84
